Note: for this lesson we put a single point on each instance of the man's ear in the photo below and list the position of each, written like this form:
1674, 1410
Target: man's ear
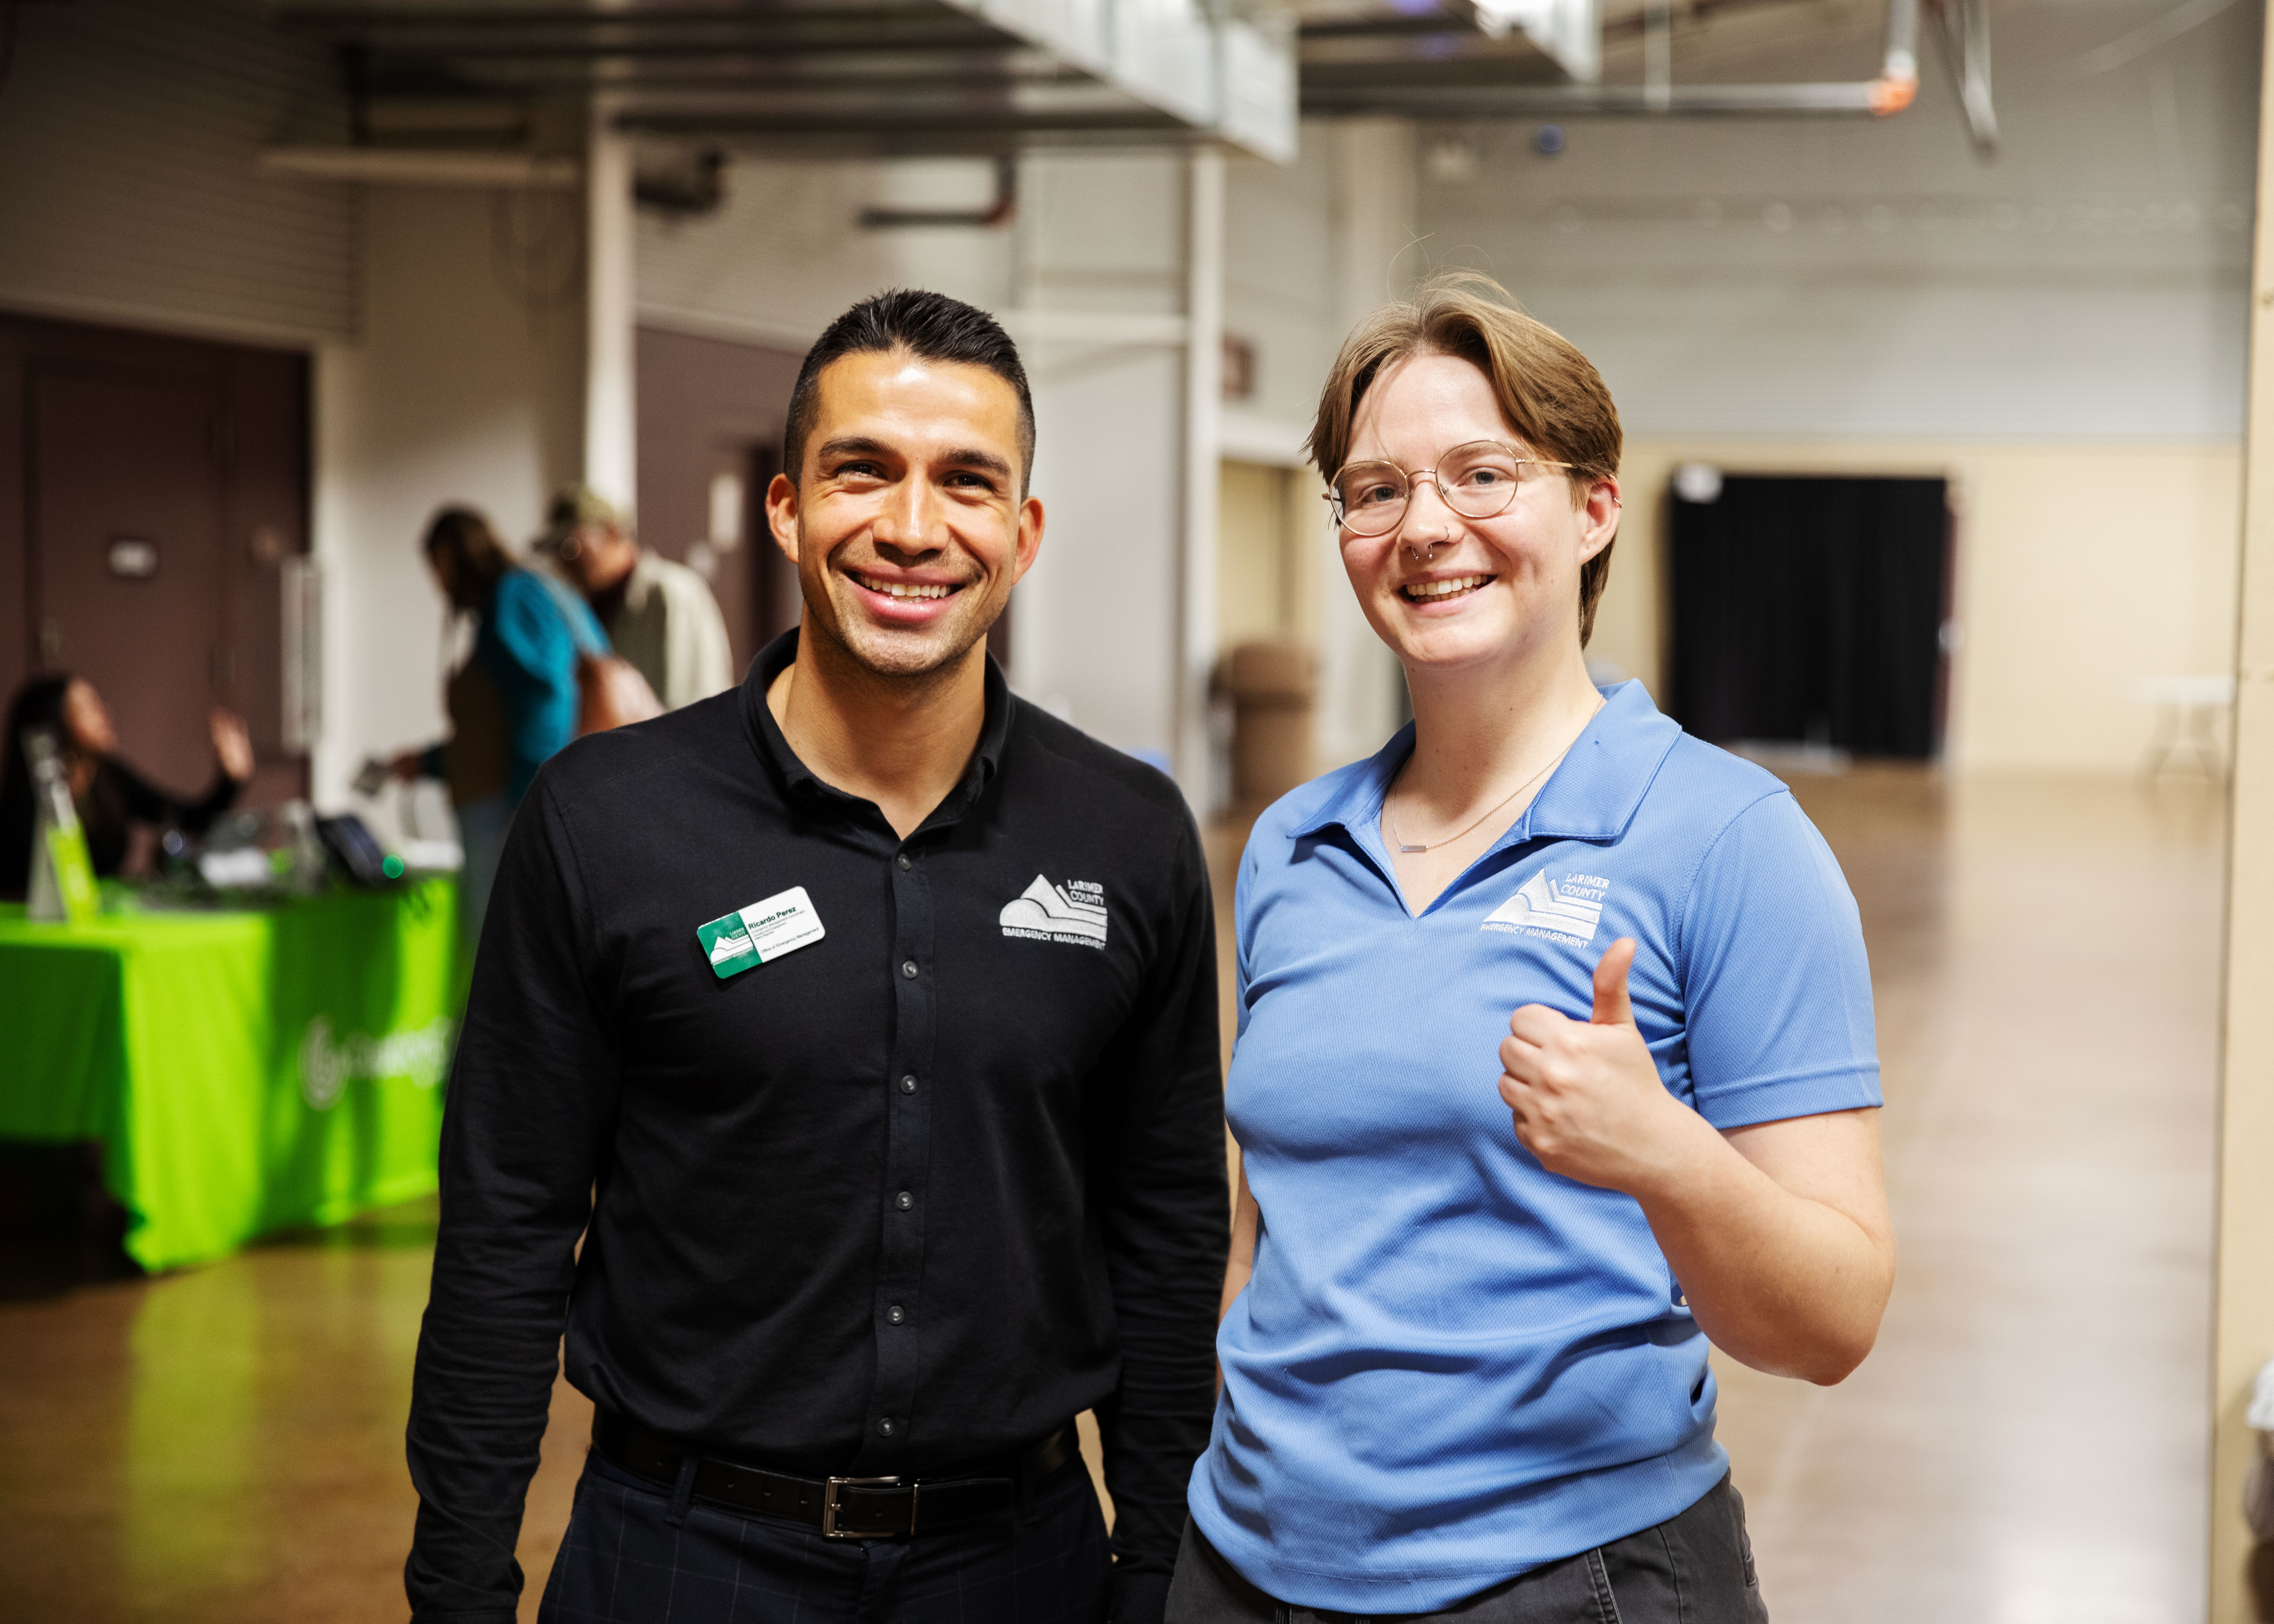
1030, 537
781, 513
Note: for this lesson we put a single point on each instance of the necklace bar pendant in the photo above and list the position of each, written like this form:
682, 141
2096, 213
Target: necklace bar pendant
1402, 847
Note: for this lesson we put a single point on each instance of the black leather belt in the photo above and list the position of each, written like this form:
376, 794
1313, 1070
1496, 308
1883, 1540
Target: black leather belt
841, 1508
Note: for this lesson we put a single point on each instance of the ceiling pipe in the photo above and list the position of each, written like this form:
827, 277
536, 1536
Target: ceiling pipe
1894, 90
1658, 54
1965, 40
998, 212
1897, 86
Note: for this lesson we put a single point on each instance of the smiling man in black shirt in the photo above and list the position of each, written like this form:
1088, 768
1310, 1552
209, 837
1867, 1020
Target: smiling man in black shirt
862, 1022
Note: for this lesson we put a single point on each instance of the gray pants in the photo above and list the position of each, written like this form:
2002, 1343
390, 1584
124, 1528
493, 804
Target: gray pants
482, 826
1696, 1568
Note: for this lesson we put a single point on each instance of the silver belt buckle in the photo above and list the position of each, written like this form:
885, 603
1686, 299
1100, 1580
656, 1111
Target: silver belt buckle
829, 1530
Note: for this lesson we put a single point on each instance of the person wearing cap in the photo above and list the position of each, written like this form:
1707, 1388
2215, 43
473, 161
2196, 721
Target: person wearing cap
840, 1072
660, 614
1555, 1063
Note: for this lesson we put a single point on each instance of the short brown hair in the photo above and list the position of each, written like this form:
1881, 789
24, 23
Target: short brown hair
929, 326
1552, 395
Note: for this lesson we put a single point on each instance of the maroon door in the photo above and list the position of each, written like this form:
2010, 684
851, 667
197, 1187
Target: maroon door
152, 493
126, 554
709, 407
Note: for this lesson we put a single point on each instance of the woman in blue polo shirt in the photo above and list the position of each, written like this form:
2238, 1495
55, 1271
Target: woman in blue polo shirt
1555, 1061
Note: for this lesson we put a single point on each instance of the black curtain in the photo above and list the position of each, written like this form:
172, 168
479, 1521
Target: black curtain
1811, 609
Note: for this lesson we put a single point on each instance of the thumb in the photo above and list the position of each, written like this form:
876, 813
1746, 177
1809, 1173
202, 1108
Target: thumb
1612, 1008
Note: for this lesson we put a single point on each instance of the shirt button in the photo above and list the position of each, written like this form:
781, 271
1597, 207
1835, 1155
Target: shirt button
895, 1313
909, 968
885, 1425
904, 1200
905, 862
908, 1083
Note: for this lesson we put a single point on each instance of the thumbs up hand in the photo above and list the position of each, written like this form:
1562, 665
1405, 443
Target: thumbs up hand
1586, 1095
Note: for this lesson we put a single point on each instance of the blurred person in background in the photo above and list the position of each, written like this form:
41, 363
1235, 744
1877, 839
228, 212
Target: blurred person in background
1477, 1259
513, 702
660, 614
110, 796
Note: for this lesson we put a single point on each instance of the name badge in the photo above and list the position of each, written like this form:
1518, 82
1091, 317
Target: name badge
757, 934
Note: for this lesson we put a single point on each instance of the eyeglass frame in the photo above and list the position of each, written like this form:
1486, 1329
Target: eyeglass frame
1416, 478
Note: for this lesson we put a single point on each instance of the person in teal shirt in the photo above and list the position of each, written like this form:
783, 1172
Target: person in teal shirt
513, 704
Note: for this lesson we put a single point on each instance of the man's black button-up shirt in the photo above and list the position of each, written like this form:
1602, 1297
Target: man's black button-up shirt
910, 1195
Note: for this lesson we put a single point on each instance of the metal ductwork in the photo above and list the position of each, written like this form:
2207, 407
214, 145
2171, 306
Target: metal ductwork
986, 78
1472, 59
834, 76
1422, 90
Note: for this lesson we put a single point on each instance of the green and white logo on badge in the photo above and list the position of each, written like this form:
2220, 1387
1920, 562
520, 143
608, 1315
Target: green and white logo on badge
757, 934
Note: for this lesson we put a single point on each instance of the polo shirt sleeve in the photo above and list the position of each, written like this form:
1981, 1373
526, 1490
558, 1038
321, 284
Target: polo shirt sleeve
1776, 986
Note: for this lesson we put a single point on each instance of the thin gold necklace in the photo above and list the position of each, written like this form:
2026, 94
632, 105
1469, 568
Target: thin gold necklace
1398, 836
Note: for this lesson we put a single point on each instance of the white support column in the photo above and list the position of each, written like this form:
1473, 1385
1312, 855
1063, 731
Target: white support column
611, 431
1203, 419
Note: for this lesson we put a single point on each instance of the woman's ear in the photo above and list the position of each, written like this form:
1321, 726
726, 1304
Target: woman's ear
1599, 518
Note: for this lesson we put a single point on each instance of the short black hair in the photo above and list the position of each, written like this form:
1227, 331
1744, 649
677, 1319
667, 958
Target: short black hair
930, 325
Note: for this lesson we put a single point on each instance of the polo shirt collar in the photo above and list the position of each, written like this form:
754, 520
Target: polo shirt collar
798, 779
1594, 795
1591, 796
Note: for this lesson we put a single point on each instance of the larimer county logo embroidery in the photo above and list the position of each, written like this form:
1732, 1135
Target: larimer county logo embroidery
1565, 911
1072, 912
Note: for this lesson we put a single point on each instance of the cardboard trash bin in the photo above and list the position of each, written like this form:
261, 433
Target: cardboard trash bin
1274, 688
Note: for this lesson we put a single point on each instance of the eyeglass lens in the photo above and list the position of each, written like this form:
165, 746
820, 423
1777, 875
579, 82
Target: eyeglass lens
1477, 481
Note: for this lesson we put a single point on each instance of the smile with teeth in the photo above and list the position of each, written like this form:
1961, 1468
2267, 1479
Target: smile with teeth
905, 588
1438, 591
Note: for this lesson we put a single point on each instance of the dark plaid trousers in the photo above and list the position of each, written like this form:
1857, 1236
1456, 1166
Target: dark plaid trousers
627, 1560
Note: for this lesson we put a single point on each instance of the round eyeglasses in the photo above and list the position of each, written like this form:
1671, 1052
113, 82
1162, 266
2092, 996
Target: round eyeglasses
1477, 480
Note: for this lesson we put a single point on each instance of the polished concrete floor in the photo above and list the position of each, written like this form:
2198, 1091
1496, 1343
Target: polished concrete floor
2026, 1446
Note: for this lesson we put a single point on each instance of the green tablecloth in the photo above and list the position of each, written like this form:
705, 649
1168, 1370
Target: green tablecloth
245, 1071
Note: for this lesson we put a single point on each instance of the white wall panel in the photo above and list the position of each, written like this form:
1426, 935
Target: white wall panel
1872, 278
1097, 615
786, 253
128, 190
1098, 627
1279, 275
468, 387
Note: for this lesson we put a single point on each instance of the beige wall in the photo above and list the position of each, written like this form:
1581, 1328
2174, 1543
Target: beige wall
2080, 567
1267, 557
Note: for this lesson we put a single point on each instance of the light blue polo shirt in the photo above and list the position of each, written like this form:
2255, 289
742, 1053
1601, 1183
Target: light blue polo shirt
1451, 1366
